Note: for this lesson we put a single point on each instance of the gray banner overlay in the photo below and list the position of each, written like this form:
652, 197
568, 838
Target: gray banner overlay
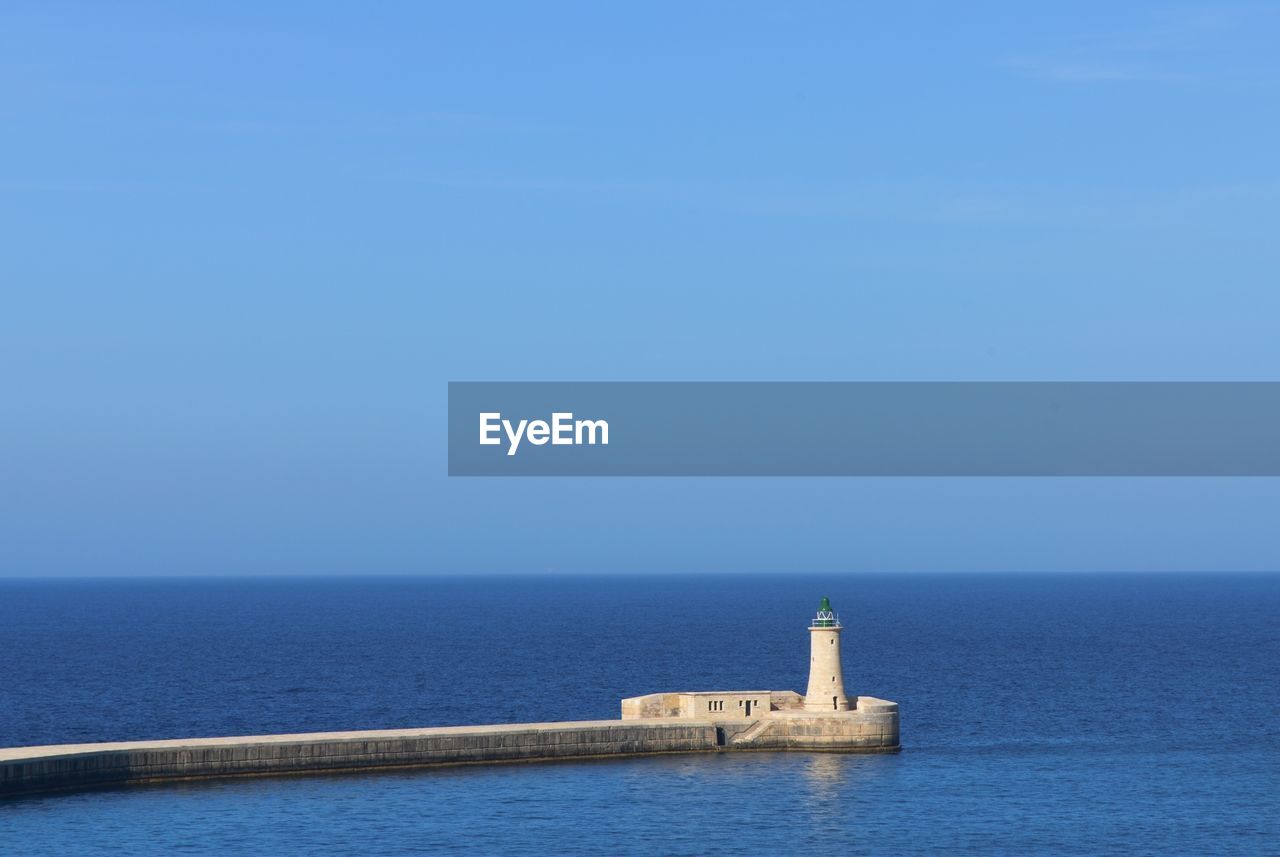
865, 429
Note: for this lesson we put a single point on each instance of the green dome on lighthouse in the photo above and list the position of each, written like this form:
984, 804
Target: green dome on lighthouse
826, 617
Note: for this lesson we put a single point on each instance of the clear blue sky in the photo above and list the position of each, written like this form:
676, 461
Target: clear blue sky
245, 249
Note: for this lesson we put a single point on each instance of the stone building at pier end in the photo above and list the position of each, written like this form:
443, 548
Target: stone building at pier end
824, 718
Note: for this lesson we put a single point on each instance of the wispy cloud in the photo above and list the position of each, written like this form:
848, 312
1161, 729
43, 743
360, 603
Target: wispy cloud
1086, 71
1158, 53
1174, 33
425, 121
915, 201
95, 187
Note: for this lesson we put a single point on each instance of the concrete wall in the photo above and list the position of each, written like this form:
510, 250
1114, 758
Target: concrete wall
729, 705
651, 705
36, 769
872, 726
694, 705
782, 700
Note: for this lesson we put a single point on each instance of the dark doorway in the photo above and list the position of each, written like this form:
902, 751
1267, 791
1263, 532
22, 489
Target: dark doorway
719, 737
748, 707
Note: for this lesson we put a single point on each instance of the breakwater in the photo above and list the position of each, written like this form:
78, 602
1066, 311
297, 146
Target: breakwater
27, 770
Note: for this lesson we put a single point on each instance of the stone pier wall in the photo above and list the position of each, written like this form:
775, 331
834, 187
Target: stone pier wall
26, 770
873, 727
39, 769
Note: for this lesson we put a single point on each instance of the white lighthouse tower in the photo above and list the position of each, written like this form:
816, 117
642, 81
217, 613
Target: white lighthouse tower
826, 681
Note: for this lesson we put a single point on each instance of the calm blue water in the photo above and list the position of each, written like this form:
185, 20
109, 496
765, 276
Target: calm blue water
1047, 714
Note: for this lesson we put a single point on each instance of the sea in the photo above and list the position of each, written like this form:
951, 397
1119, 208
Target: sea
1041, 713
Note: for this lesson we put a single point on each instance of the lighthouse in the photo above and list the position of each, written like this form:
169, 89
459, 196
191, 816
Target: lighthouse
826, 681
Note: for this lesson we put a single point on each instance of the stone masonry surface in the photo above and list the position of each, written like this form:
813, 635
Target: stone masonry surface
25, 770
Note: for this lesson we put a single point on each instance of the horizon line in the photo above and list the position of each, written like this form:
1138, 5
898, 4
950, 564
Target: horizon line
618, 574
